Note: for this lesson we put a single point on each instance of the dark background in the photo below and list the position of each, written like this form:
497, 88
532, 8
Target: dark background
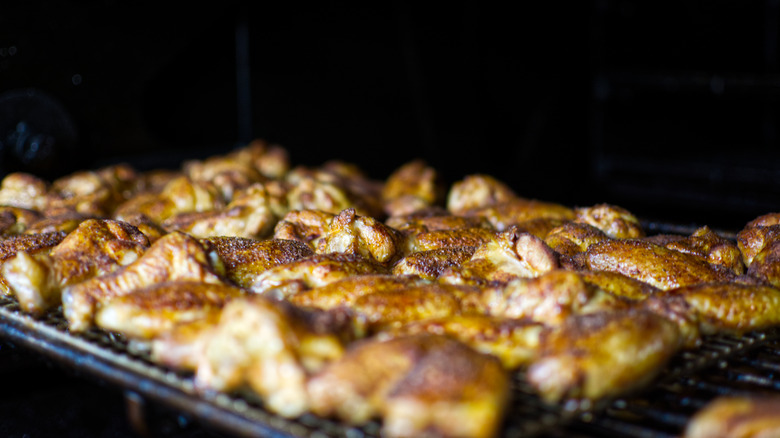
669, 109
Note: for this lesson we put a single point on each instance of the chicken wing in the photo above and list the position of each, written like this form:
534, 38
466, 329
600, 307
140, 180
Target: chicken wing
29, 244
418, 385
272, 347
433, 263
601, 355
653, 264
23, 190
244, 259
737, 417
310, 272
151, 311
712, 248
307, 226
412, 187
175, 256
616, 222
350, 233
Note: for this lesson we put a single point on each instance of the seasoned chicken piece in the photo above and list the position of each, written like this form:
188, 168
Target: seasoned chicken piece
519, 211
57, 220
343, 292
350, 233
602, 355
712, 248
412, 187
307, 226
513, 341
434, 219
333, 187
310, 194
23, 190
573, 238
540, 227
182, 346
433, 263
151, 230
29, 244
91, 193
96, 247
419, 385
652, 264
227, 173
732, 307
244, 259
15, 220
180, 195
271, 160
510, 255
758, 234
151, 311
675, 309
248, 215
766, 265
618, 284
616, 222
476, 191
173, 257
272, 347
550, 298
448, 238
755, 416
310, 272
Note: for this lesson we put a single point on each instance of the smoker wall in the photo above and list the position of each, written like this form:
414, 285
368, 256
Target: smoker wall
668, 109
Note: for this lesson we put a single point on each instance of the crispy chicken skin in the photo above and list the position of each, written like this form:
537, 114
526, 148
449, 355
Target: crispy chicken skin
343, 292
652, 264
420, 385
24, 191
249, 214
758, 234
513, 341
271, 347
476, 191
310, 272
97, 247
244, 259
616, 222
228, 174
458, 237
519, 211
350, 233
93, 193
618, 284
602, 355
180, 195
433, 263
307, 226
737, 417
508, 256
732, 307
712, 248
434, 219
411, 187
551, 298
271, 160
572, 238
28, 244
148, 312
15, 220
176, 256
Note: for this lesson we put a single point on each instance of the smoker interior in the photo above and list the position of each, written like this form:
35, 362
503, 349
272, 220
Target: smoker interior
669, 109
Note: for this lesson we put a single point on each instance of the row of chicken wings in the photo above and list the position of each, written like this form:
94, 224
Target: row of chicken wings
324, 291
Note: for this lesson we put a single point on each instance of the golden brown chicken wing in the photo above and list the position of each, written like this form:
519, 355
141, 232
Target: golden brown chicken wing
616, 222
477, 191
732, 307
712, 248
272, 347
602, 354
510, 255
310, 272
433, 263
23, 190
412, 187
653, 264
573, 238
244, 259
151, 311
29, 244
418, 385
175, 256
350, 233
737, 417
307, 226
